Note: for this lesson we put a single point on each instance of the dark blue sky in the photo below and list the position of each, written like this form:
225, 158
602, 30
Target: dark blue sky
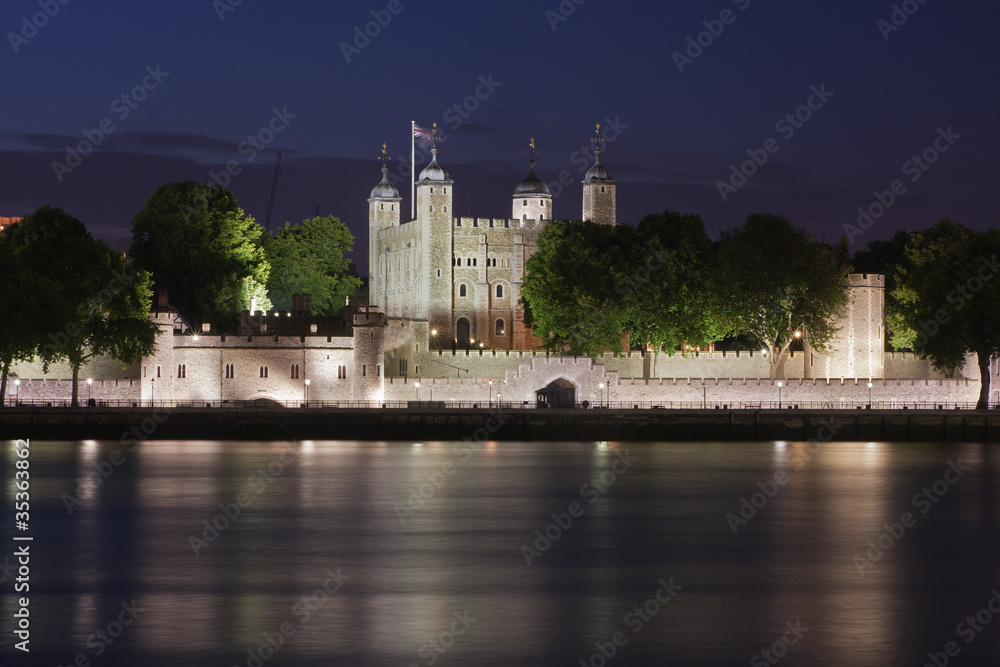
681, 130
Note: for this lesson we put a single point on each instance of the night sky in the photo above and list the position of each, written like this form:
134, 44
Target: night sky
222, 72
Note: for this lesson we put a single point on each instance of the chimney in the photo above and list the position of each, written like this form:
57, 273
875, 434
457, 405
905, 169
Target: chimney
161, 298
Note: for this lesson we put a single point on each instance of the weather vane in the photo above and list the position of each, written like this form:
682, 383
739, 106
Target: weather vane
598, 141
531, 150
434, 135
384, 157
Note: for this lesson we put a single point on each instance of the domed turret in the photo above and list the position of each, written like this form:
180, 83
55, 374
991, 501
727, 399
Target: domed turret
597, 172
434, 171
532, 198
385, 189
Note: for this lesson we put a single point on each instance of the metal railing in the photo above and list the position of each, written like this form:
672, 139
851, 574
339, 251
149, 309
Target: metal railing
269, 404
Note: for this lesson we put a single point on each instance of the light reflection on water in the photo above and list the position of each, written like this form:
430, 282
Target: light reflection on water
419, 532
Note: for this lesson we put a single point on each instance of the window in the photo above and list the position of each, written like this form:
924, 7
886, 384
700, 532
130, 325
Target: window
378, 370
525, 203
474, 259
432, 192
295, 371
499, 328
364, 369
157, 371
230, 372
439, 273
263, 371
181, 370
462, 290
341, 372
468, 261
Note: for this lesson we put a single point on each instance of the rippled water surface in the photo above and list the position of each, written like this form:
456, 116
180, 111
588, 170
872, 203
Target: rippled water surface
397, 553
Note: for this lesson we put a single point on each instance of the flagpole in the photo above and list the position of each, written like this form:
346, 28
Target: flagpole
413, 170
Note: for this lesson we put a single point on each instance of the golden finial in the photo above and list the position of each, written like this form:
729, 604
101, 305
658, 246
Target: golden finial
384, 157
598, 141
531, 150
434, 135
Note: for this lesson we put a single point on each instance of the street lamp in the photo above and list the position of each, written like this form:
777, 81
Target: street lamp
869, 395
307, 391
491, 393
17, 390
780, 384
601, 387
417, 389
152, 392
90, 381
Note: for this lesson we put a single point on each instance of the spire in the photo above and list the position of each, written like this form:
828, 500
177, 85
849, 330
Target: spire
597, 172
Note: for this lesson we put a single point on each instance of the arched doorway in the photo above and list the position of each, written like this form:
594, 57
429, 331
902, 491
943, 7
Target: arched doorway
463, 330
559, 393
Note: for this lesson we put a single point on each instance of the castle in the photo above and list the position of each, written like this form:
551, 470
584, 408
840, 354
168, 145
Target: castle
463, 276
444, 324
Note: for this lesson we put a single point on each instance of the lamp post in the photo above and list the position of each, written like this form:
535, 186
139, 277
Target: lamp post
152, 392
869, 395
17, 390
90, 381
780, 384
307, 391
600, 386
416, 390
490, 403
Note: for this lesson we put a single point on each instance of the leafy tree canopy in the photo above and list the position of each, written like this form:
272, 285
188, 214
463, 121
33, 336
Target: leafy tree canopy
311, 258
199, 244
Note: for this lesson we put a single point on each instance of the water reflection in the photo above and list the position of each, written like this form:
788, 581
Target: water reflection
225, 544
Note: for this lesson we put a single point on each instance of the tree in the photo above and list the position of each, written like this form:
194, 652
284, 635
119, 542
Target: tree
668, 299
96, 304
200, 245
311, 258
774, 279
948, 298
26, 320
575, 287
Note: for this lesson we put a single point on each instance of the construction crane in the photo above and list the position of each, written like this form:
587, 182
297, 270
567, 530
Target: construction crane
274, 187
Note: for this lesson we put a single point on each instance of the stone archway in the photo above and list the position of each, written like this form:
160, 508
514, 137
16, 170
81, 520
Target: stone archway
560, 393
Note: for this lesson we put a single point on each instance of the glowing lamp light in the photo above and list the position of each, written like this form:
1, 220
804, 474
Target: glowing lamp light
307, 382
798, 334
91, 381
434, 332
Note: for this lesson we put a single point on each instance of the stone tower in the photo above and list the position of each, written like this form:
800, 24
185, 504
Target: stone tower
599, 189
383, 213
434, 213
369, 352
532, 199
858, 348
